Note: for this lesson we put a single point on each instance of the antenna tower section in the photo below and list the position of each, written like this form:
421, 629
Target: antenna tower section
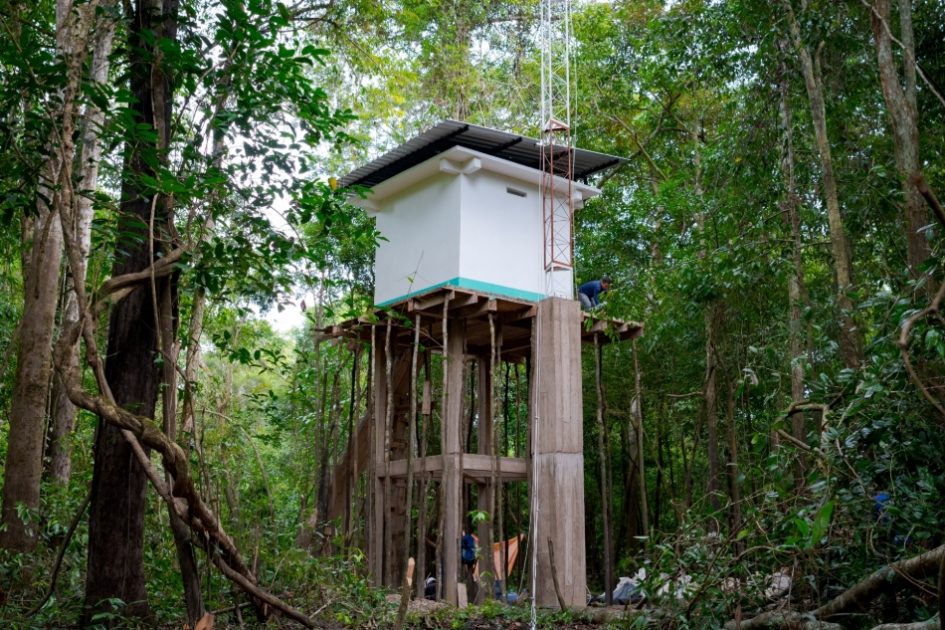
557, 156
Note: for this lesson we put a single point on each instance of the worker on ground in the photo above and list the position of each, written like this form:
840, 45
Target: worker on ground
589, 292
469, 551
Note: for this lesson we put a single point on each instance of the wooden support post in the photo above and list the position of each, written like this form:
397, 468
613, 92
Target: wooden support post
558, 441
451, 485
426, 408
408, 562
486, 490
389, 502
379, 414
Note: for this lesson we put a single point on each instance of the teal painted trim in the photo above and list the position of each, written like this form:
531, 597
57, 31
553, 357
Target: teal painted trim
472, 285
496, 289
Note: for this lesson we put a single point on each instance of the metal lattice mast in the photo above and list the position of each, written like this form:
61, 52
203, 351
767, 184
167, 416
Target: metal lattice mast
557, 167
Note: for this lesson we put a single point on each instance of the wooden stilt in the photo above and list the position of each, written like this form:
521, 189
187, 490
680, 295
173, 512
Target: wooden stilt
405, 590
486, 489
497, 486
388, 566
441, 524
376, 490
452, 474
425, 410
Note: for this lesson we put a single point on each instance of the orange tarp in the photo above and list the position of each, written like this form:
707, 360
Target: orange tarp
497, 552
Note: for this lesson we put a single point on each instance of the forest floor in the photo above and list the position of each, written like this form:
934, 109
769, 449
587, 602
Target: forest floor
425, 614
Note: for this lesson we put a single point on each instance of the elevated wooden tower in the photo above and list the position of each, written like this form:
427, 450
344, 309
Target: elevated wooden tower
462, 275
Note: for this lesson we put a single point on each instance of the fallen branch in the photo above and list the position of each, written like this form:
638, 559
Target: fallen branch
258, 593
931, 624
784, 619
889, 578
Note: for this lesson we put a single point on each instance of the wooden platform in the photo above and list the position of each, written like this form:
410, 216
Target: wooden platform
476, 467
514, 316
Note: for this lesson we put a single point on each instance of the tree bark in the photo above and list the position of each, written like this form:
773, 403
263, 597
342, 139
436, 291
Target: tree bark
43, 255
900, 97
637, 414
795, 281
851, 343
116, 519
734, 485
58, 454
168, 312
603, 442
711, 316
710, 396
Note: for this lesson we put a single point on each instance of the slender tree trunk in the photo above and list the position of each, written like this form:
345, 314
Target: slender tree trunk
423, 432
660, 467
709, 395
42, 255
795, 281
352, 480
637, 411
629, 526
851, 344
116, 517
192, 358
324, 464
603, 443
59, 458
168, 313
734, 486
899, 94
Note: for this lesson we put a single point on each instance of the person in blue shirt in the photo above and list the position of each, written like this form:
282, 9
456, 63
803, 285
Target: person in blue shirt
589, 292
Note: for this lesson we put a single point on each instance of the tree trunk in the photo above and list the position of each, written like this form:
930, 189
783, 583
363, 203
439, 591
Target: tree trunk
603, 442
186, 558
59, 459
116, 518
851, 344
637, 412
734, 486
900, 97
710, 397
23, 469
795, 281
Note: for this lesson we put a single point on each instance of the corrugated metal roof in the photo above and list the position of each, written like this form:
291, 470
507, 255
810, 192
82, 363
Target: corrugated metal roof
451, 133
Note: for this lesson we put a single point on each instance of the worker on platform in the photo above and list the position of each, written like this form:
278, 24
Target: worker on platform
589, 292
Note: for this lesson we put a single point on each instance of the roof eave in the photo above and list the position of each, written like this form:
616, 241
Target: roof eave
457, 161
